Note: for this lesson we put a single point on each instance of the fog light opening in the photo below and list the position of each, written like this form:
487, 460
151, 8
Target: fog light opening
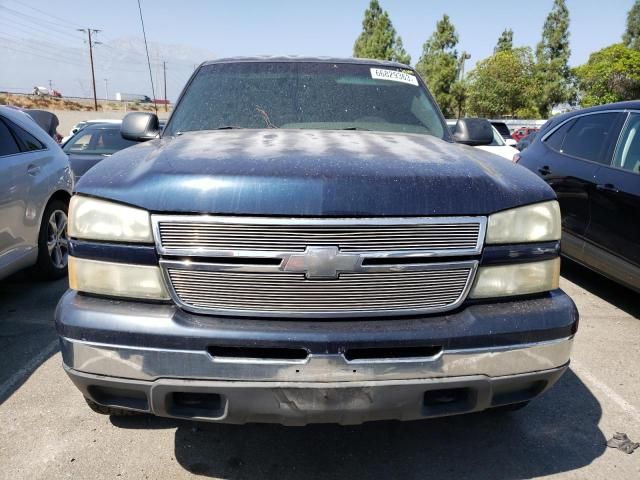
448, 401
196, 404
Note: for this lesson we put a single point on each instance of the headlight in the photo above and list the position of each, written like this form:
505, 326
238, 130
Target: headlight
116, 279
534, 223
516, 279
94, 219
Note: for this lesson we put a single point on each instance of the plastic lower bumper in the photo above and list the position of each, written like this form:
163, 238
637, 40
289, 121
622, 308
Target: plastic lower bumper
301, 403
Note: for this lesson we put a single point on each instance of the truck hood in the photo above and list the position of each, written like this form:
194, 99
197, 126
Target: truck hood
312, 173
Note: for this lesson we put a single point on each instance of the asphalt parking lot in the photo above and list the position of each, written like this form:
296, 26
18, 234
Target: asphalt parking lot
46, 430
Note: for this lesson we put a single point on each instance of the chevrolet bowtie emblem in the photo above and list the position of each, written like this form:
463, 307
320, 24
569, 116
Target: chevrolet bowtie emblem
322, 262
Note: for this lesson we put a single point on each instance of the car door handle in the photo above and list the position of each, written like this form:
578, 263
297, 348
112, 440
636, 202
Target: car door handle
33, 170
607, 187
545, 170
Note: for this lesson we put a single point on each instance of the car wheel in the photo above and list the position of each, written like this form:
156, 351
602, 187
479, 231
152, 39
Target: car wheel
53, 243
116, 412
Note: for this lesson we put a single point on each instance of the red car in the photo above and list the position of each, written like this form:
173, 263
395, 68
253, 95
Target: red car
522, 132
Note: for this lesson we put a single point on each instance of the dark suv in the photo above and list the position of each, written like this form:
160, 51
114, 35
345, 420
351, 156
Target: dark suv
305, 242
591, 158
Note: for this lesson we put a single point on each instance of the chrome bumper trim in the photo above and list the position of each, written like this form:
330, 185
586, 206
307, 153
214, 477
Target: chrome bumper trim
149, 364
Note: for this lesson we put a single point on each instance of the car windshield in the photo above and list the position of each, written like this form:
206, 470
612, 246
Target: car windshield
503, 129
97, 141
297, 95
498, 141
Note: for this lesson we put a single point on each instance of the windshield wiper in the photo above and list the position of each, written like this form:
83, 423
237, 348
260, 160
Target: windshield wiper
228, 127
356, 128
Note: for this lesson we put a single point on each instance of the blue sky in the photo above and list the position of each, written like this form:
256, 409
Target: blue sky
328, 27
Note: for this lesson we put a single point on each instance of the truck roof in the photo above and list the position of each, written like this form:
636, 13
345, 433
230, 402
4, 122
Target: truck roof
303, 59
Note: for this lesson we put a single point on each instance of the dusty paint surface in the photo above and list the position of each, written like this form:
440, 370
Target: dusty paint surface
313, 173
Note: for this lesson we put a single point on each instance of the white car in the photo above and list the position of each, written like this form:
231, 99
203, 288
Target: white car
497, 147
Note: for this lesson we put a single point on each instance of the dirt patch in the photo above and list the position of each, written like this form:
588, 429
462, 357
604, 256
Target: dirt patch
42, 103
53, 103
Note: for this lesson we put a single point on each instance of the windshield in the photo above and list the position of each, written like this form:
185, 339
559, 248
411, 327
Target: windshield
502, 128
498, 141
97, 141
330, 96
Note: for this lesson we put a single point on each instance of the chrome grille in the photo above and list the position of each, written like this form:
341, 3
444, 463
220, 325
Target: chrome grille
262, 293
319, 268
218, 233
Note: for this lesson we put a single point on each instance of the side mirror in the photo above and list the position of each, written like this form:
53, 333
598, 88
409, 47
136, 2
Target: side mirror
473, 131
140, 126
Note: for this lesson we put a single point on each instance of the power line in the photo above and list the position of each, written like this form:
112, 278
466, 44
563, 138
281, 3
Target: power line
48, 14
47, 51
43, 23
109, 60
26, 52
37, 44
146, 47
33, 29
42, 49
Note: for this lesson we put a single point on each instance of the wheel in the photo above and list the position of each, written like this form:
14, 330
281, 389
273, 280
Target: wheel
116, 412
512, 407
53, 243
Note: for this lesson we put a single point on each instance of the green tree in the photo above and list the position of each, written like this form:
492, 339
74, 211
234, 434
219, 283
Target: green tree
400, 54
459, 95
553, 74
505, 42
439, 65
378, 38
611, 75
502, 84
631, 37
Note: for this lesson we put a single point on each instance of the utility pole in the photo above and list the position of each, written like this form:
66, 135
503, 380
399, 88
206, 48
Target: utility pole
50, 87
164, 68
464, 56
89, 31
106, 88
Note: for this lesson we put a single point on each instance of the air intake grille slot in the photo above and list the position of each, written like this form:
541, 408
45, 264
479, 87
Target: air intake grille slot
176, 235
282, 293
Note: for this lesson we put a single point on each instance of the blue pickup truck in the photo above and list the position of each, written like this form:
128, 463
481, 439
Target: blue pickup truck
306, 242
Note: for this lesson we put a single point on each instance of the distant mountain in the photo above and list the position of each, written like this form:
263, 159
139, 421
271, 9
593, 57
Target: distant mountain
123, 62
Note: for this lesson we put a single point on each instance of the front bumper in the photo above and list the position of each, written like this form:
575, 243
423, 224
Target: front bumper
159, 359
301, 403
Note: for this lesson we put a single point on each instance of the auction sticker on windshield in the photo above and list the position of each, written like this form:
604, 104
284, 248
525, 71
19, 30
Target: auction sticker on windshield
394, 76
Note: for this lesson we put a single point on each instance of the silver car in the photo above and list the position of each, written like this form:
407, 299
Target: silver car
35, 186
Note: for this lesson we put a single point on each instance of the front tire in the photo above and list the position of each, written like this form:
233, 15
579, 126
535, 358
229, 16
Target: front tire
53, 243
